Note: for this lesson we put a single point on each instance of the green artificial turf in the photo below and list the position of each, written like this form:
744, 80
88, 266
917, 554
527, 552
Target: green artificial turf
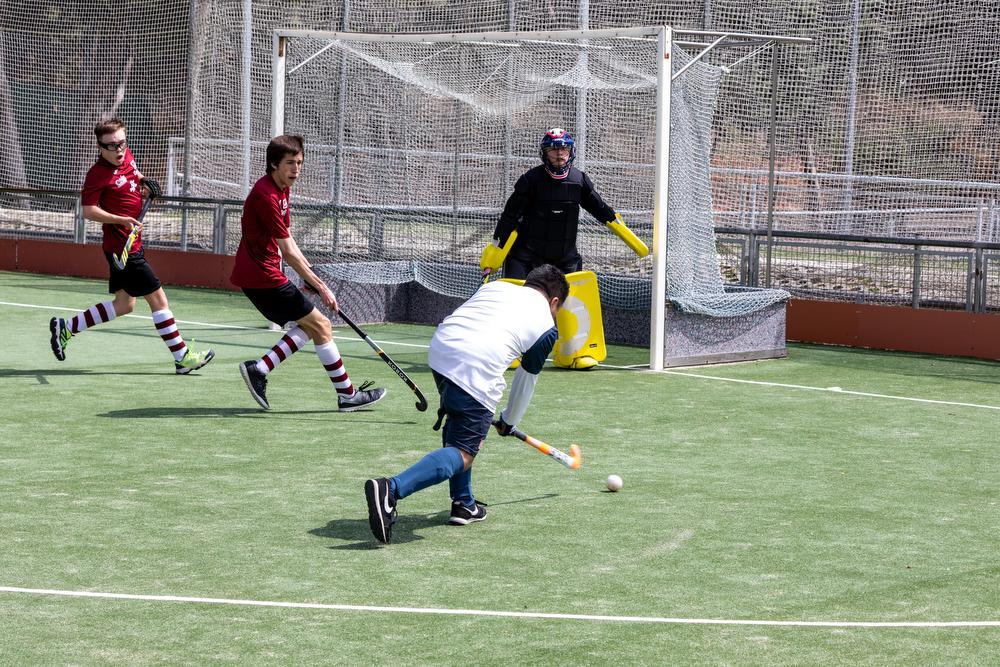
752, 493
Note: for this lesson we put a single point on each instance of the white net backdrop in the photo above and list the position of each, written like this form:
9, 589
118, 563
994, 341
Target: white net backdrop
886, 123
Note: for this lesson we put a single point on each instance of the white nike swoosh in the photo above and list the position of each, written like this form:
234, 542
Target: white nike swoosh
385, 502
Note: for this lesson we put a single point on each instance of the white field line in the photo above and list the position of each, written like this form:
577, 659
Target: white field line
504, 614
193, 322
834, 390
642, 367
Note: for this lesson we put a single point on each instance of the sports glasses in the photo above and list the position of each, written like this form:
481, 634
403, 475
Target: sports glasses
112, 147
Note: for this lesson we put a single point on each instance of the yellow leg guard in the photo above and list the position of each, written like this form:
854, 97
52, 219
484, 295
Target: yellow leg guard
581, 327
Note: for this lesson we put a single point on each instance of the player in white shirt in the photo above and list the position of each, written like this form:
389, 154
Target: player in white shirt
468, 354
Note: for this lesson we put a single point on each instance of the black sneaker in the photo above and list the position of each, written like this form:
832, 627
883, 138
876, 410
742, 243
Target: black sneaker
256, 383
362, 397
462, 515
381, 508
60, 337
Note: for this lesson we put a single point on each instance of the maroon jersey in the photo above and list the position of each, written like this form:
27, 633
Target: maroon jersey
265, 219
117, 191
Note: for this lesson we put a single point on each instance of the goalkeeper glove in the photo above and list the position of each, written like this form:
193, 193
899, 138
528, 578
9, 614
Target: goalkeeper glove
494, 254
625, 234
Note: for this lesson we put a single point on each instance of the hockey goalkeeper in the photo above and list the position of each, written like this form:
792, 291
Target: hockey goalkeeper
539, 225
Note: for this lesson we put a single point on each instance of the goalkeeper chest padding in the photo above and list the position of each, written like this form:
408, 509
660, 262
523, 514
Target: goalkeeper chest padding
551, 211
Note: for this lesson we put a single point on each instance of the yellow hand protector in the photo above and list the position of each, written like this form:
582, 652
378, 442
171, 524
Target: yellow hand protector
493, 255
625, 234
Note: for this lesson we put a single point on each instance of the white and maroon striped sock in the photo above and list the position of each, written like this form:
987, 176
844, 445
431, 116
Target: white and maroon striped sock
329, 356
290, 343
99, 313
167, 328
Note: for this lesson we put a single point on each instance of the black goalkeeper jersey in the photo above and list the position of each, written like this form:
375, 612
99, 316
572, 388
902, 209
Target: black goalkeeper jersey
546, 213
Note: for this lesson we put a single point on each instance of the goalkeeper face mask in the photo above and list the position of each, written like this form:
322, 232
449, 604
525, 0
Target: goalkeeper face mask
557, 138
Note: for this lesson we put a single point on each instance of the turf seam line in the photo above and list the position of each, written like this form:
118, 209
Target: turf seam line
502, 614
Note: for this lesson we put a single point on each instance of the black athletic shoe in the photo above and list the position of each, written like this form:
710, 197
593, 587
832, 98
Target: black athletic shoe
381, 508
362, 397
462, 515
256, 383
60, 337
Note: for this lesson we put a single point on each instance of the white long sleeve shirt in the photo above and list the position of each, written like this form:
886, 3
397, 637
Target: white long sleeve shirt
474, 345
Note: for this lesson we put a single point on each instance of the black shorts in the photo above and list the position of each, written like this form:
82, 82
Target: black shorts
137, 278
520, 262
467, 421
280, 305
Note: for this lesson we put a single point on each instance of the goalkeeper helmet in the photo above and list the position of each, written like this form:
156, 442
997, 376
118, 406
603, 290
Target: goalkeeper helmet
557, 137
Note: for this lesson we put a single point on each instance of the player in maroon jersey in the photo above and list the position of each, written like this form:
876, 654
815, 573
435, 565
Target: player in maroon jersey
266, 241
112, 195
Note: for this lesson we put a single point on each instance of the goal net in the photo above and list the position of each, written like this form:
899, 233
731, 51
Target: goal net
414, 142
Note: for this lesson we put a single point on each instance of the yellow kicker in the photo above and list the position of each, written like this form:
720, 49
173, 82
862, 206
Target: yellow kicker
627, 235
580, 324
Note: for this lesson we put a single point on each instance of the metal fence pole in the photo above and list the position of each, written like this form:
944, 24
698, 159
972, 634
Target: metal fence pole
772, 156
188, 119
915, 296
979, 285
79, 223
219, 230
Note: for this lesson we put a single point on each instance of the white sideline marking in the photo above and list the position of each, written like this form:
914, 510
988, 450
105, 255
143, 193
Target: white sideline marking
194, 322
834, 390
644, 367
505, 614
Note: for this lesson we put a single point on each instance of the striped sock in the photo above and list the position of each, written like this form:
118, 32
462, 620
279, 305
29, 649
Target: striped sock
99, 313
329, 356
165, 326
290, 343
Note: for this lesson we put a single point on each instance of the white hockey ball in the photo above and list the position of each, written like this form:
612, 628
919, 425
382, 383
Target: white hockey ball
614, 482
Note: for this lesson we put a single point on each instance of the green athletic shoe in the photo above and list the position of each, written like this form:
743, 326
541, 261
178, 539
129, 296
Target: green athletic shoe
192, 361
61, 336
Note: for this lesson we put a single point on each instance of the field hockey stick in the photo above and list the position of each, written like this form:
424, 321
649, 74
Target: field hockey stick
122, 259
573, 460
421, 401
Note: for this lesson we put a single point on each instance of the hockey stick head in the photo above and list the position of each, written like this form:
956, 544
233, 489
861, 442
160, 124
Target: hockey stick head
421, 401
573, 460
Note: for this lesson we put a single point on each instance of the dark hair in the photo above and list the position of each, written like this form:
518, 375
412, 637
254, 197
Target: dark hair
108, 126
550, 281
286, 144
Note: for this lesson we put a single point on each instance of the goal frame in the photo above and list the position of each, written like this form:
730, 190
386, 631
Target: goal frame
665, 37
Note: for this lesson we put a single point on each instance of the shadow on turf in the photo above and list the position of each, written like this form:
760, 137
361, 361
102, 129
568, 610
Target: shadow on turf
360, 534
40, 374
222, 413
403, 531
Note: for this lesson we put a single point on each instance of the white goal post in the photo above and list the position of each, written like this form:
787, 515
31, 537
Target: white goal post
432, 113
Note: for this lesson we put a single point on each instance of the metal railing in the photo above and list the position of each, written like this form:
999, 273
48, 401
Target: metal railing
914, 272
869, 269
